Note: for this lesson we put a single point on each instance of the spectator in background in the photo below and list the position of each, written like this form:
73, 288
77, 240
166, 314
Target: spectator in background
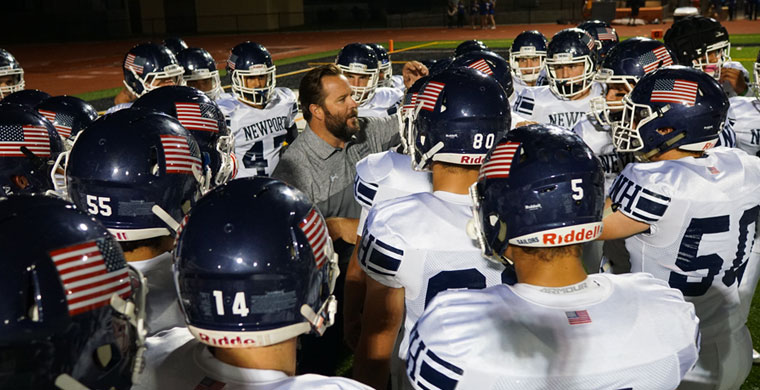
491, 5
483, 13
474, 12
451, 15
460, 14
634, 5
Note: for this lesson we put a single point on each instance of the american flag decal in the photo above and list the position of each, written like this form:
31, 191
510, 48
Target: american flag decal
578, 317
231, 61
429, 96
313, 226
179, 159
605, 34
652, 59
91, 273
411, 103
675, 91
590, 41
500, 162
482, 66
62, 122
197, 116
131, 63
13, 137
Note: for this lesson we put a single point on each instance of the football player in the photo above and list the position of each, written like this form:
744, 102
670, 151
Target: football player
261, 116
29, 146
26, 97
689, 210
703, 43
200, 71
361, 66
538, 197
175, 44
470, 45
604, 34
571, 62
386, 77
199, 115
527, 56
139, 172
743, 117
416, 246
146, 66
72, 316
248, 290
11, 74
69, 114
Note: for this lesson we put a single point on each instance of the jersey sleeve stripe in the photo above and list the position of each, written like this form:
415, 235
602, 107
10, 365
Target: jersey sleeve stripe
365, 192
637, 202
378, 256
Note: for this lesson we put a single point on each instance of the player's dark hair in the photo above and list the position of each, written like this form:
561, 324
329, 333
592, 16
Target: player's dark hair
310, 90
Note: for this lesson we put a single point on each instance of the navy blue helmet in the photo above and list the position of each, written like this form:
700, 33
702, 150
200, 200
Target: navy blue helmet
603, 33
528, 45
540, 186
386, 68
72, 308
243, 283
200, 71
175, 44
624, 65
468, 46
440, 65
571, 46
249, 59
489, 63
10, 68
461, 112
360, 59
686, 100
202, 117
148, 66
69, 114
408, 112
29, 98
693, 38
29, 146
138, 171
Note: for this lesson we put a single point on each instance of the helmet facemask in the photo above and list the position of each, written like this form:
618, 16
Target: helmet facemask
606, 112
527, 74
16, 76
172, 73
386, 75
567, 87
361, 94
712, 58
258, 96
214, 90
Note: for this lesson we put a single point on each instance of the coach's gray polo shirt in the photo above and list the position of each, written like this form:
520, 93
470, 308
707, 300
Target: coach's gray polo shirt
325, 173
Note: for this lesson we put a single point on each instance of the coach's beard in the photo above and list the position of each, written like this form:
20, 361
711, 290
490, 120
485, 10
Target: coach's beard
342, 127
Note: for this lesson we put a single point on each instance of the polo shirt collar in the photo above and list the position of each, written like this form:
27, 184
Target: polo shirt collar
322, 149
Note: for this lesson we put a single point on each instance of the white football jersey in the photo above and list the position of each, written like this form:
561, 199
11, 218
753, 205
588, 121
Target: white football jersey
398, 82
260, 133
744, 118
520, 85
163, 311
384, 102
702, 214
383, 176
598, 137
176, 360
540, 104
118, 107
419, 242
607, 332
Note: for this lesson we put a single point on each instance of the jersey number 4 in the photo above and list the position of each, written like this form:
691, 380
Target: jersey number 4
688, 261
254, 157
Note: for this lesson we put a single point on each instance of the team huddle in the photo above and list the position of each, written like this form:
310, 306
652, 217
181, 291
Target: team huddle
579, 215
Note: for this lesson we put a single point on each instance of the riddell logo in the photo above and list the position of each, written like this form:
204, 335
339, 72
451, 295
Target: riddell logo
572, 236
471, 160
225, 341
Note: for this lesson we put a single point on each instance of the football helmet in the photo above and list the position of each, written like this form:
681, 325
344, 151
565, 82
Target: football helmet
603, 33
175, 44
489, 63
69, 114
11, 74
688, 103
62, 327
386, 68
138, 171
29, 145
625, 64
29, 98
200, 71
439, 65
757, 76
148, 63
243, 283
700, 42
540, 186
358, 58
468, 46
250, 59
460, 113
205, 121
528, 44
567, 47
408, 112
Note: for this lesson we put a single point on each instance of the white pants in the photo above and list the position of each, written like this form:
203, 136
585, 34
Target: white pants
724, 363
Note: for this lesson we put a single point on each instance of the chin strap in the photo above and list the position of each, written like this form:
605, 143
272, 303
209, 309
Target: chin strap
429, 155
134, 310
67, 382
164, 216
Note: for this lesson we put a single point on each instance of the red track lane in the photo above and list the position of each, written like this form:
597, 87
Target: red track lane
75, 68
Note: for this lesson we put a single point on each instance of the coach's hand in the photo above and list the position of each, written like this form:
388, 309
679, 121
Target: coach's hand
412, 71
